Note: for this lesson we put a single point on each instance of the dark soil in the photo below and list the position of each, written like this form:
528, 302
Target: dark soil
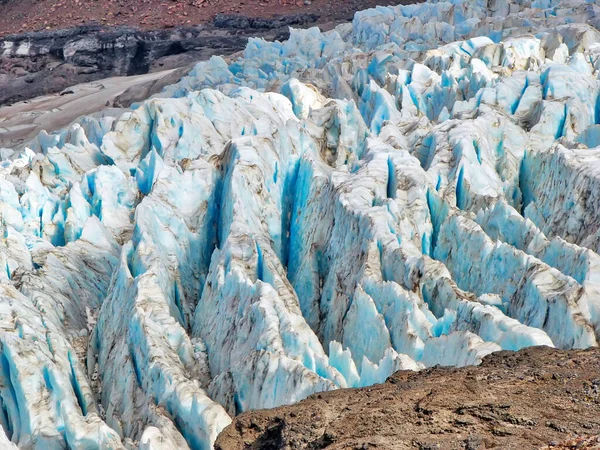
17, 16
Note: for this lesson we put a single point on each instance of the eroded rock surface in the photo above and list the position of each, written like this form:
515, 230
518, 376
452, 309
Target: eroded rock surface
523, 400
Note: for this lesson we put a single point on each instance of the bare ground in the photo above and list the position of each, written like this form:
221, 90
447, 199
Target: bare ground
18, 16
23, 121
526, 400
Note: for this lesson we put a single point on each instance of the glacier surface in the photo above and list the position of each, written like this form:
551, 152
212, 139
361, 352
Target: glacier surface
418, 187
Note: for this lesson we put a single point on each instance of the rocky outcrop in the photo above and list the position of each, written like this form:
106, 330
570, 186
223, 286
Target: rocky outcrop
237, 21
39, 63
525, 400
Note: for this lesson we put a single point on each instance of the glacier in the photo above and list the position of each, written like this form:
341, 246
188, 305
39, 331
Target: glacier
417, 187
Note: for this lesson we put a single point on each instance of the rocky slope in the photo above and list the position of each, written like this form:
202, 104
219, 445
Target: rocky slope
534, 398
19, 16
48, 46
39, 63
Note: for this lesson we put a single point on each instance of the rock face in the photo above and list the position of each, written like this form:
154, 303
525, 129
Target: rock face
524, 400
419, 187
40, 63
236, 21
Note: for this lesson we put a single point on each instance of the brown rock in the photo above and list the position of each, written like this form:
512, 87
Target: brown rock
490, 406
